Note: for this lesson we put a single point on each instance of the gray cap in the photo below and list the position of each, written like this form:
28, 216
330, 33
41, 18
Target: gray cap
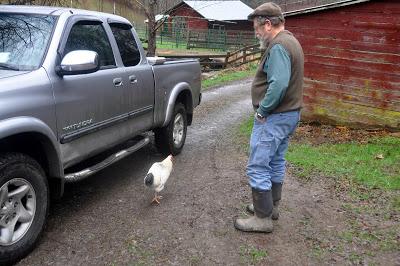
268, 10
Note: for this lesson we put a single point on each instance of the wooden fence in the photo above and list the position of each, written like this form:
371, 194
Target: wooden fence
223, 40
242, 56
195, 38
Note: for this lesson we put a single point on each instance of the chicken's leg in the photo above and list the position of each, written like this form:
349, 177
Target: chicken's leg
156, 198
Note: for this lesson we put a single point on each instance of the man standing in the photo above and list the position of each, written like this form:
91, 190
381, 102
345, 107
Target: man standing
276, 93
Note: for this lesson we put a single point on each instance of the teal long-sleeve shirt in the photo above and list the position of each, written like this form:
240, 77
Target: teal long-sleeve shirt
277, 67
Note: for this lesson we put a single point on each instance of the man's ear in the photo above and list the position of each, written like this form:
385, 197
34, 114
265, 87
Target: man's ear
267, 25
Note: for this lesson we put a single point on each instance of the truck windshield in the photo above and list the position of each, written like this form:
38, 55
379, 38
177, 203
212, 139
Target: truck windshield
23, 40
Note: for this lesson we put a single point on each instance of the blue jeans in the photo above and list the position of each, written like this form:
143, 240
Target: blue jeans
268, 145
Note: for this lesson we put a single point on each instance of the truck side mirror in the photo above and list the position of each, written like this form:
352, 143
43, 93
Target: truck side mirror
156, 60
78, 62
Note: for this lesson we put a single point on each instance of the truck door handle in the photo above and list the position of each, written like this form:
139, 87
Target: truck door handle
118, 82
133, 79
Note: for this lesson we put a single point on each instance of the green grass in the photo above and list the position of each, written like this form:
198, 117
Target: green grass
142, 255
373, 240
250, 255
229, 75
246, 127
355, 161
167, 47
180, 48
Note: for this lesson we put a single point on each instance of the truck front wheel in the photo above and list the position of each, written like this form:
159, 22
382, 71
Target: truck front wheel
23, 205
171, 138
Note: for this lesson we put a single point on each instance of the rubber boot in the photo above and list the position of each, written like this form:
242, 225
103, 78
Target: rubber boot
276, 197
261, 220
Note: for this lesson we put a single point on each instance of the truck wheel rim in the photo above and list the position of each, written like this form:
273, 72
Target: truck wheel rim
178, 129
17, 210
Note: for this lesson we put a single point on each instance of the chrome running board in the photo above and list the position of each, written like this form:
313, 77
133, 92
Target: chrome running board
73, 177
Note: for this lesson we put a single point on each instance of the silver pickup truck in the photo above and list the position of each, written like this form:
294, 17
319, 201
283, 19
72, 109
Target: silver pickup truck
75, 85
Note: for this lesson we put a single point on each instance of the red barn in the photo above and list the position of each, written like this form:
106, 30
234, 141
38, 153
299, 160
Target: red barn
203, 15
352, 62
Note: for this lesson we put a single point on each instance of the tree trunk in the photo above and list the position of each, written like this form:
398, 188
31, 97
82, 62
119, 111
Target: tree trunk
151, 28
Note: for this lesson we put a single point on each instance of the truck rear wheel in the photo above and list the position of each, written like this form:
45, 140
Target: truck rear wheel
24, 201
171, 138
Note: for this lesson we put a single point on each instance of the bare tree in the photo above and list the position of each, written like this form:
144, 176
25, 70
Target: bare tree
150, 7
38, 2
151, 27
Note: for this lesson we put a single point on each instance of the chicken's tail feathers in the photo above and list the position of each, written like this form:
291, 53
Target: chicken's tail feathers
168, 159
149, 179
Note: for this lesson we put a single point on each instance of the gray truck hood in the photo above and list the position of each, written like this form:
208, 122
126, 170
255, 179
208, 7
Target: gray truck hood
11, 73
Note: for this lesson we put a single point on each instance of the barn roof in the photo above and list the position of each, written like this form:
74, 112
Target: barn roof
221, 10
324, 7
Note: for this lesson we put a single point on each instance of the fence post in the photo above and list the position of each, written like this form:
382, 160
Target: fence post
188, 41
244, 55
176, 38
225, 43
228, 54
208, 38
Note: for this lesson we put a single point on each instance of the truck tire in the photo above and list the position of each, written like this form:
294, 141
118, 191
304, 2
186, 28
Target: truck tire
171, 138
24, 202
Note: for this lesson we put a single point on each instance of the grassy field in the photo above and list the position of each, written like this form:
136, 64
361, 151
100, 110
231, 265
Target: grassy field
229, 75
167, 48
374, 164
164, 49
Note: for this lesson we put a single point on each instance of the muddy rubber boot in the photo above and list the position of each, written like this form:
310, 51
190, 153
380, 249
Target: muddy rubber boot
276, 197
261, 220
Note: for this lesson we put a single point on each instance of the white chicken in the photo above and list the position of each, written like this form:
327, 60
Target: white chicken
157, 176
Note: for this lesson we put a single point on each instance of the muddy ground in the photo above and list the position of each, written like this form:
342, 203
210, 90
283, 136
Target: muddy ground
108, 219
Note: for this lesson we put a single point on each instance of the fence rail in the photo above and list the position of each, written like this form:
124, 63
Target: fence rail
239, 57
214, 39
195, 38
245, 55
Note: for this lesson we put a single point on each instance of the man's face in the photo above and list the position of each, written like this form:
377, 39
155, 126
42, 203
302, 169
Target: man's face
262, 32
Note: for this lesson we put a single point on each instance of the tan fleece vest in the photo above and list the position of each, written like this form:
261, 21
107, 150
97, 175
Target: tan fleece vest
293, 99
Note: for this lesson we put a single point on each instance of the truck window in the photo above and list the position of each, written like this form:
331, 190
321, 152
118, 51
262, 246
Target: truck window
23, 40
126, 44
91, 36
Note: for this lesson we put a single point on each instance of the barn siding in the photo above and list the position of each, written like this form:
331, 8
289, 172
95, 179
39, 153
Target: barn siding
194, 19
236, 25
352, 63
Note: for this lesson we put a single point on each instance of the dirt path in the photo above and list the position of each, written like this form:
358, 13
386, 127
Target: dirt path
108, 219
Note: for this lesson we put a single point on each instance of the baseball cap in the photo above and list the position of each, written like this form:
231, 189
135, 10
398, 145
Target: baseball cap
268, 10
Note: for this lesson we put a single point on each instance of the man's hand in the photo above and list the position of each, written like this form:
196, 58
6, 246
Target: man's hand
259, 117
